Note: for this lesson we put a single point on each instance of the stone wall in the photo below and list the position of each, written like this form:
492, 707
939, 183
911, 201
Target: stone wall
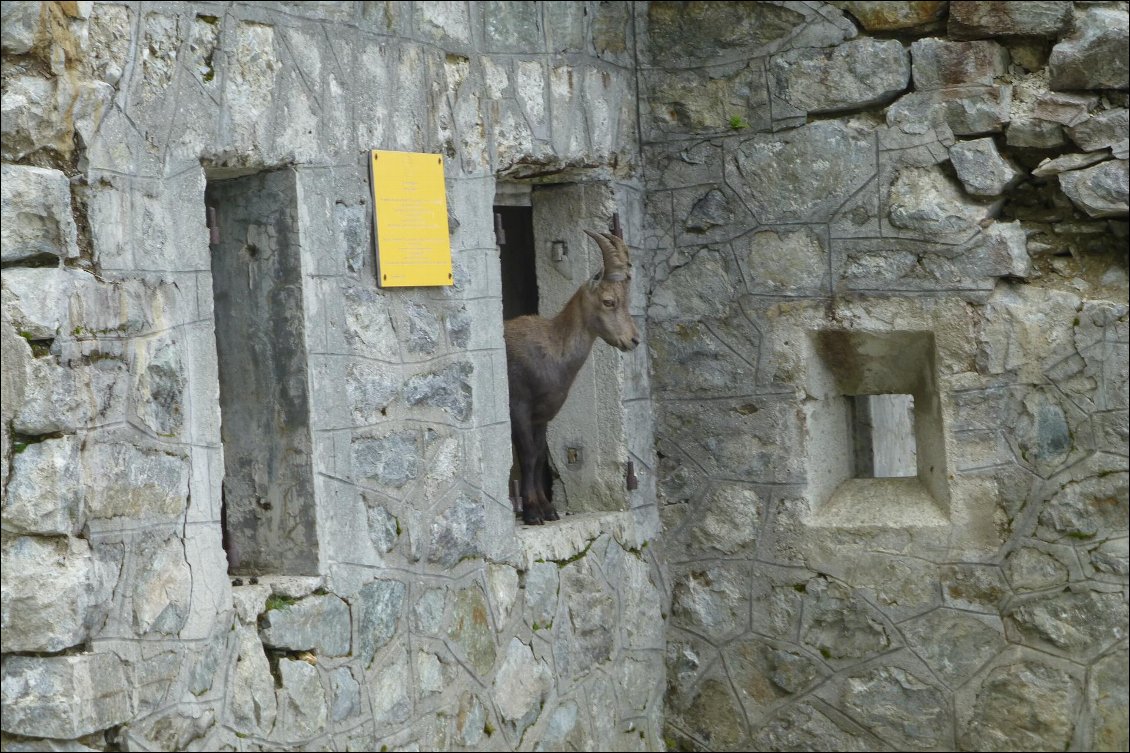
858, 198
381, 596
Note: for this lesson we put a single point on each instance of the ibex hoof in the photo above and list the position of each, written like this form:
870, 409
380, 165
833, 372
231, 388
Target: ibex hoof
532, 520
552, 515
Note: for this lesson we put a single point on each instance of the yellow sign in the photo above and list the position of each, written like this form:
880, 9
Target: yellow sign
410, 203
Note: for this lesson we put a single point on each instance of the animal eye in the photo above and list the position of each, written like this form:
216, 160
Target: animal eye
609, 303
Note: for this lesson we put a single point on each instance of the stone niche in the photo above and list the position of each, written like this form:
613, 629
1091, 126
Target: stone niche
268, 489
876, 449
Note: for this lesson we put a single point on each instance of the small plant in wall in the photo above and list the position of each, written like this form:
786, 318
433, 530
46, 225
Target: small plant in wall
737, 122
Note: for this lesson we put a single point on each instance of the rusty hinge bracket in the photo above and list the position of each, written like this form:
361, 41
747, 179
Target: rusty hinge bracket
630, 479
213, 228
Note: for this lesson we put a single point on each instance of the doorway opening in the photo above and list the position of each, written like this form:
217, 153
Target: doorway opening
545, 257
267, 510
514, 232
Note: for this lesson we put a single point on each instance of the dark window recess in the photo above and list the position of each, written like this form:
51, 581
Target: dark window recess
268, 511
514, 229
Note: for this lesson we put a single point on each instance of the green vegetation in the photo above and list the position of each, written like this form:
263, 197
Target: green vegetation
277, 601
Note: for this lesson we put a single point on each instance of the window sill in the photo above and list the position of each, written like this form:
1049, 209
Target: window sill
568, 538
880, 503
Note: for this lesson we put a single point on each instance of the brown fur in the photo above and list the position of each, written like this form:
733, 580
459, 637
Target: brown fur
543, 357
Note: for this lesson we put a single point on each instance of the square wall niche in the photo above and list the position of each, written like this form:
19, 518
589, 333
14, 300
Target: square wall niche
875, 436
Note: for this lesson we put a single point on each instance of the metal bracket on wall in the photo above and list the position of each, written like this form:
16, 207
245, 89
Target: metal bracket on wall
562, 260
630, 479
213, 228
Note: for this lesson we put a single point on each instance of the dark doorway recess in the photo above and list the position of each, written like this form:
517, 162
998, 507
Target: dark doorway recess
519, 270
268, 512
514, 227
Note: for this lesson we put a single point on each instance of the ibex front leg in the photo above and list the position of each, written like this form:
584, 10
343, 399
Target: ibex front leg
522, 433
541, 474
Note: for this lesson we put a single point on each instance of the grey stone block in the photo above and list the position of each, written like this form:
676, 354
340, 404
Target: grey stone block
162, 592
55, 594
983, 18
36, 300
22, 21
455, 532
520, 685
777, 184
1100, 191
448, 389
940, 63
303, 709
126, 481
1026, 704
64, 696
316, 623
391, 460
470, 630
1109, 128
1094, 57
37, 218
982, 169
966, 110
45, 492
253, 706
855, 74
380, 605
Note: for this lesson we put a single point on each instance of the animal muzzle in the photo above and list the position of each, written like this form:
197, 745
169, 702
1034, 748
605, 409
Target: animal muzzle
627, 345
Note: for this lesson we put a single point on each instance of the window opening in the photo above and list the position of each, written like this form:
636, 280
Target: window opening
268, 512
883, 436
876, 453
588, 447
514, 228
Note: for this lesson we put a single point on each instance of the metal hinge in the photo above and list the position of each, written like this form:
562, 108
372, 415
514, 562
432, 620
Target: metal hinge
213, 228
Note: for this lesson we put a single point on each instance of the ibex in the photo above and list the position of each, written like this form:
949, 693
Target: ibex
543, 357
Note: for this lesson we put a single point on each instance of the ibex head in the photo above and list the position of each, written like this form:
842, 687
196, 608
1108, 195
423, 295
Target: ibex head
607, 295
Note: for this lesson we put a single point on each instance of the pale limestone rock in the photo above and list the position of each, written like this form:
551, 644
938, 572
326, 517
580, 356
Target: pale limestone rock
64, 696
55, 593
44, 494
37, 218
521, 683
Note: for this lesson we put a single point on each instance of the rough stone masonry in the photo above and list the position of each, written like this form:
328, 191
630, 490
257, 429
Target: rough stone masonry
254, 501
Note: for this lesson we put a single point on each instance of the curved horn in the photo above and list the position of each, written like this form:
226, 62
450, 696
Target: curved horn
615, 253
